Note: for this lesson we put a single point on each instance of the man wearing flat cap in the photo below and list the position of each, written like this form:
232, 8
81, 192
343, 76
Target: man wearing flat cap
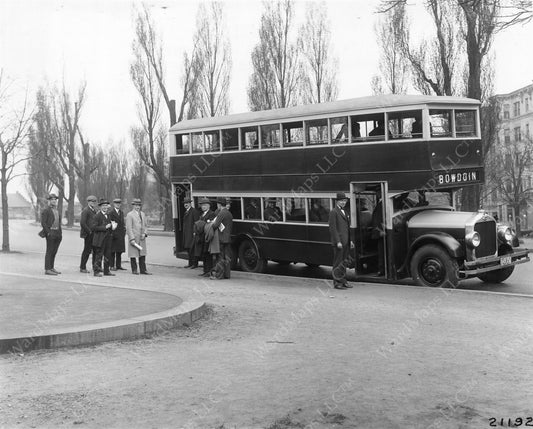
51, 223
339, 229
117, 242
137, 230
223, 223
102, 230
190, 216
86, 232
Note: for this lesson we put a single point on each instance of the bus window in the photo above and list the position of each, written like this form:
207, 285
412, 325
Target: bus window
197, 142
230, 139
182, 143
293, 134
295, 209
339, 130
405, 124
270, 136
272, 211
212, 143
439, 123
365, 127
252, 208
235, 207
317, 131
318, 210
249, 138
465, 123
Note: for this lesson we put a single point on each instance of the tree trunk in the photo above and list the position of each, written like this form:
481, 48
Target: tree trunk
5, 212
71, 197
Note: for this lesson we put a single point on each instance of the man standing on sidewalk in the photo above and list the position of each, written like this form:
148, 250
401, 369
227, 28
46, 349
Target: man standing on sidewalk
51, 223
102, 228
86, 232
223, 223
339, 229
189, 218
117, 244
137, 230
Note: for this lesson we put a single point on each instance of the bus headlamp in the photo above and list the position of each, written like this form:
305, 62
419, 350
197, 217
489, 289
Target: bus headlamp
473, 239
505, 234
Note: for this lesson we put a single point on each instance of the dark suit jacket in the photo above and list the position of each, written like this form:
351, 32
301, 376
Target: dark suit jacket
225, 218
99, 229
120, 232
47, 220
189, 218
339, 226
86, 221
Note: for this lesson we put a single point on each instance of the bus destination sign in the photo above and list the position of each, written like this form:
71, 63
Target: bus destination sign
458, 177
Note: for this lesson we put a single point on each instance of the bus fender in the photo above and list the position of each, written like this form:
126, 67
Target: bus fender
452, 246
241, 237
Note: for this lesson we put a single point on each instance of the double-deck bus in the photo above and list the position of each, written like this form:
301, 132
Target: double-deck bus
401, 160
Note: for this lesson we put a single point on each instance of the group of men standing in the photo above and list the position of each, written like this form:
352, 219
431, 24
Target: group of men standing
207, 237
103, 229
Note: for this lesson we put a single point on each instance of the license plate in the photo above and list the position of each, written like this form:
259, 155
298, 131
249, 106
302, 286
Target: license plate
505, 260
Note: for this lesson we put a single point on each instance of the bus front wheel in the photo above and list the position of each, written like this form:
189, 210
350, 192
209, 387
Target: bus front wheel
250, 259
498, 276
432, 266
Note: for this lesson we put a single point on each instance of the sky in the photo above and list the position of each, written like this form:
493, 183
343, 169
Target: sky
56, 41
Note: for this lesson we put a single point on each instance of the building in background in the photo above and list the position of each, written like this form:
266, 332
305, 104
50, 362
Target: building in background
509, 169
18, 206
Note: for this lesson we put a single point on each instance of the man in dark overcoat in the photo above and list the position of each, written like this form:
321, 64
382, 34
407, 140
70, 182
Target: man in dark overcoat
102, 230
201, 248
86, 232
118, 245
51, 223
223, 223
339, 229
189, 218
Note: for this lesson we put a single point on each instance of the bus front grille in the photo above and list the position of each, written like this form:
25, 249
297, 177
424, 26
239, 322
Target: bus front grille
487, 232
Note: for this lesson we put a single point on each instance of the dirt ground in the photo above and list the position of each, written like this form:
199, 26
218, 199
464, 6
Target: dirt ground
282, 353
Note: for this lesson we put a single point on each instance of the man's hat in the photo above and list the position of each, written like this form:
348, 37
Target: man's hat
117, 200
204, 200
136, 202
103, 201
52, 197
92, 198
222, 200
341, 196
187, 200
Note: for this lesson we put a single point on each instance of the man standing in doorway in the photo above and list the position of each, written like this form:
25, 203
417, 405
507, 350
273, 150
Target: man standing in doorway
191, 215
339, 229
103, 229
117, 243
223, 223
51, 223
86, 232
137, 230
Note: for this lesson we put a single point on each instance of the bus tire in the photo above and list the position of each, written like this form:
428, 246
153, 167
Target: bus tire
498, 276
250, 258
432, 266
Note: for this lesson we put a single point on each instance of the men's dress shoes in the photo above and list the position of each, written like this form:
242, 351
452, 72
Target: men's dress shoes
50, 273
109, 274
339, 287
112, 268
55, 271
204, 275
83, 270
146, 273
347, 285
98, 274
120, 268
135, 272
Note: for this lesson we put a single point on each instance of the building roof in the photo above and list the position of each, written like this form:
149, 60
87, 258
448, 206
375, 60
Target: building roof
353, 104
16, 200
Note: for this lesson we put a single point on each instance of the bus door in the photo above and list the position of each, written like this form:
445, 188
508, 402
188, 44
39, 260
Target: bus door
180, 192
369, 227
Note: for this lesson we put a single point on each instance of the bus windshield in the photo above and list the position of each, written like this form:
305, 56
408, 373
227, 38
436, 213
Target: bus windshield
408, 200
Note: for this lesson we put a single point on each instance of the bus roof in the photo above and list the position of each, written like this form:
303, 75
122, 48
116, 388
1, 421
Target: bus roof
332, 107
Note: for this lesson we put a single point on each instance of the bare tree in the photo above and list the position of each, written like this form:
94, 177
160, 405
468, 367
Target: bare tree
392, 29
320, 82
214, 55
276, 68
14, 129
89, 163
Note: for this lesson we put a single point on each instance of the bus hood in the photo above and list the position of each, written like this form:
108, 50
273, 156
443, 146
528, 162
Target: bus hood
441, 219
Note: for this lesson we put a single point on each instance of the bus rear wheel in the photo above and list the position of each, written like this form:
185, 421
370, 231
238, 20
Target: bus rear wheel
250, 259
432, 266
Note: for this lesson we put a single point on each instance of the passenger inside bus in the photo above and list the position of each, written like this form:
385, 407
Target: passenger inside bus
318, 213
356, 130
252, 209
272, 211
416, 128
379, 130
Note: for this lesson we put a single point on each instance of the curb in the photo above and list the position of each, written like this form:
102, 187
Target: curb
124, 329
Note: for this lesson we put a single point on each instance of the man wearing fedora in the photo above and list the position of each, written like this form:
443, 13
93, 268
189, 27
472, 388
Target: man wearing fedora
223, 223
339, 229
102, 230
189, 218
137, 231
201, 248
86, 232
119, 233
51, 223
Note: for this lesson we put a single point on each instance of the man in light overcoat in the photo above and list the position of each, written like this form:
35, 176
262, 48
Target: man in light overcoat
137, 231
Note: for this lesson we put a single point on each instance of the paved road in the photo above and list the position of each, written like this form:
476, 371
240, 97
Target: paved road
24, 238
